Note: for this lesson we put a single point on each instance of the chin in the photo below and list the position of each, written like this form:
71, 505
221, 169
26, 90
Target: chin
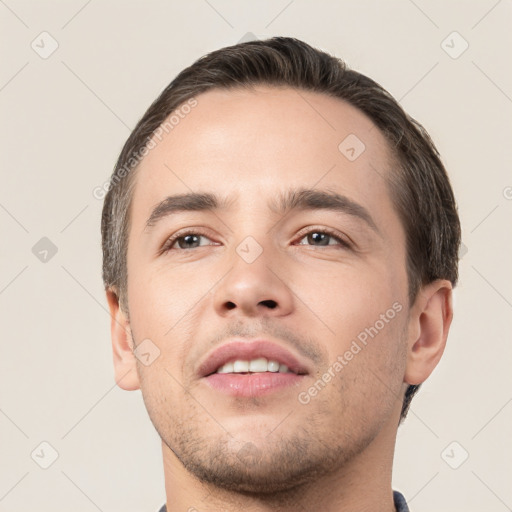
251, 470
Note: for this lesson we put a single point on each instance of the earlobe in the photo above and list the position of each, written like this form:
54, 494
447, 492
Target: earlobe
429, 324
125, 364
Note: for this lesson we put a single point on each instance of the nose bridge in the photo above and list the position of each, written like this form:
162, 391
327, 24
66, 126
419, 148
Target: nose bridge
253, 285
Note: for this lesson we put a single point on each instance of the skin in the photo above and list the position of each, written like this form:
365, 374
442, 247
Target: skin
336, 452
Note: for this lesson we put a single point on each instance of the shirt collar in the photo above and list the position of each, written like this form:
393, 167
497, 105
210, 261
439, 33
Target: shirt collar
398, 498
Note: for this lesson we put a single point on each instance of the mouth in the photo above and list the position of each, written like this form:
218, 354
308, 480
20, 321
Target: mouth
258, 365
248, 369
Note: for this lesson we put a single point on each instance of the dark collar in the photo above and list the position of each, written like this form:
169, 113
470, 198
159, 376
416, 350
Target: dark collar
398, 498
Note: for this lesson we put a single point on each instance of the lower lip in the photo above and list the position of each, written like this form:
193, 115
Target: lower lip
252, 384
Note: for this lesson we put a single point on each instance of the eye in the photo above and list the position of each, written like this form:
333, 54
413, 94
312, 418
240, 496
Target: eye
323, 237
192, 239
185, 240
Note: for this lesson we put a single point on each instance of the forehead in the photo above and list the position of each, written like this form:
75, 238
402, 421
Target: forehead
260, 141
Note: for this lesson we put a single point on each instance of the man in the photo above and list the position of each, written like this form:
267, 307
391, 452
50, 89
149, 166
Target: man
280, 246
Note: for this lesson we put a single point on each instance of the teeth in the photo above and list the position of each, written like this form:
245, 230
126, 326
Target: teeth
240, 366
227, 368
273, 366
259, 365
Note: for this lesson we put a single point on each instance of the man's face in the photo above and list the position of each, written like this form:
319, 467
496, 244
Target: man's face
312, 283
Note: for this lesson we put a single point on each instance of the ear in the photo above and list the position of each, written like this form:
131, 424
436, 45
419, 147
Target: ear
125, 363
429, 323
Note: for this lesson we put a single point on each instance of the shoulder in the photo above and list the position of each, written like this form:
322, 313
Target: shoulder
399, 500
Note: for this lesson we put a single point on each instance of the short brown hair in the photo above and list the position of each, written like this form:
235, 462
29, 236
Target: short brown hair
420, 187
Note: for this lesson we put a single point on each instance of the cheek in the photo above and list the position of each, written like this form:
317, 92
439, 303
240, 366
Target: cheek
348, 299
166, 306
161, 297
153, 304
360, 311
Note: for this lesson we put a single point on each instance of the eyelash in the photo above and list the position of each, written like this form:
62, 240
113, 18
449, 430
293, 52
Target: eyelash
171, 240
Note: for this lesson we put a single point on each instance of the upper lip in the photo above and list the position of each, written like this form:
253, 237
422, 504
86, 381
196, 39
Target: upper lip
245, 351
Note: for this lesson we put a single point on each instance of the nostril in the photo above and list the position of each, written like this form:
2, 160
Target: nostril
272, 304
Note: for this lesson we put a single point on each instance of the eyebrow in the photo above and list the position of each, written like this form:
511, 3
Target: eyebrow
292, 199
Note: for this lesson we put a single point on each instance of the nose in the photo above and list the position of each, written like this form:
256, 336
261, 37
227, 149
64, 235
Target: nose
254, 288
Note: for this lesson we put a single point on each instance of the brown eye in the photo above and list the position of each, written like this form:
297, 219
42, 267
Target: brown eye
188, 241
323, 238
184, 241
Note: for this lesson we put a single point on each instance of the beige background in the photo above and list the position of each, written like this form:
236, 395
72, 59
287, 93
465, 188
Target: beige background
64, 120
